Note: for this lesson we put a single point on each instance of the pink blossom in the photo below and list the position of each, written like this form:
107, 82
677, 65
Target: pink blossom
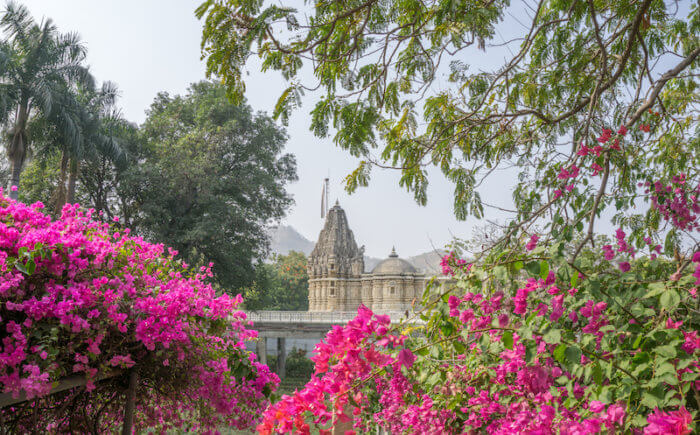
669, 422
406, 357
532, 244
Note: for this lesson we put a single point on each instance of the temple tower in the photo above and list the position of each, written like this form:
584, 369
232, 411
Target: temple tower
335, 266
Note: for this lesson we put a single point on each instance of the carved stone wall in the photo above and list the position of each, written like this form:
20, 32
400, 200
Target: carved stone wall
337, 279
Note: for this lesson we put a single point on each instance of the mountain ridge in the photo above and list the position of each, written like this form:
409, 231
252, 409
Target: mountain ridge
285, 238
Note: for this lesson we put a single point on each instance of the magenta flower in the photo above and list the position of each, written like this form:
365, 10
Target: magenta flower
406, 357
669, 422
532, 244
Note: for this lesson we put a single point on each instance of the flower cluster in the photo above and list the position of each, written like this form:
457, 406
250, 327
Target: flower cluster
450, 263
79, 298
677, 202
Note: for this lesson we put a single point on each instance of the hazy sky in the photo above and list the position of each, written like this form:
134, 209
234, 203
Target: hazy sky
149, 46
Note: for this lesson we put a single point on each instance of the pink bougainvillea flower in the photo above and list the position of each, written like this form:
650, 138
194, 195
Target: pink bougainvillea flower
406, 357
669, 422
532, 243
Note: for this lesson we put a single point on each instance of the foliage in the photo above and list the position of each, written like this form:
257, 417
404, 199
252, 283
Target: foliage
298, 366
211, 178
39, 69
527, 343
280, 285
40, 178
79, 298
552, 329
580, 67
103, 185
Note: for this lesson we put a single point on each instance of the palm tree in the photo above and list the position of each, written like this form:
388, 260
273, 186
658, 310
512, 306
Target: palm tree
98, 122
40, 65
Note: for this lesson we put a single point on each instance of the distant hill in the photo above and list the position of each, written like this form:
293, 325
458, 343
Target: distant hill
284, 238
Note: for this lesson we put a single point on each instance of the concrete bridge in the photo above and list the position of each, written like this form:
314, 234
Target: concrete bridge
281, 325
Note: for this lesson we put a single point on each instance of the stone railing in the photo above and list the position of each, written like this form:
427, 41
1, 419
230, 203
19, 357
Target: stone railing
326, 317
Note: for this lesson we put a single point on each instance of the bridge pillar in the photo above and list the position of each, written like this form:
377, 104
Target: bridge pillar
281, 357
261, 350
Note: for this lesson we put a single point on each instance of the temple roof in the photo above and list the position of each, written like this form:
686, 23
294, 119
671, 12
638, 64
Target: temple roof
336, 238
393, 266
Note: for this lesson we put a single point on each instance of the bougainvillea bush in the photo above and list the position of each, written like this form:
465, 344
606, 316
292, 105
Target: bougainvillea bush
81, 297
527, 344
558, 332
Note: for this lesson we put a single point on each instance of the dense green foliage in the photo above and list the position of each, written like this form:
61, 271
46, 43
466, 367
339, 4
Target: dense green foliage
212, 178
578, 67
282, 284
203, 175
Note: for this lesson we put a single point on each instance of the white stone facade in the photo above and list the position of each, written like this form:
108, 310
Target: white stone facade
338, 282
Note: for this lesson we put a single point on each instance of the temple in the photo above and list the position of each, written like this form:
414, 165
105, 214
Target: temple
337, 277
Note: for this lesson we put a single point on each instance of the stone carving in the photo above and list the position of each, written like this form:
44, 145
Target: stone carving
338, 281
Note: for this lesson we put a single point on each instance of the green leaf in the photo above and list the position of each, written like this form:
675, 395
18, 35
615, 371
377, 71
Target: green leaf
655, 289
544, 269
553, 336
533, 268
651, 401
574, 278
669, 300
666, 351
560, 353
507, 339
573, 354
30, 266
597, 374
530, 351
19, 266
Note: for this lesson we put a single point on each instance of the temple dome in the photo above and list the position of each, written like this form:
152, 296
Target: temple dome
393, 266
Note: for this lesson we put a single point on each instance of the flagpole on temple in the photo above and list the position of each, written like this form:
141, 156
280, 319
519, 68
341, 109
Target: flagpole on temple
324, 198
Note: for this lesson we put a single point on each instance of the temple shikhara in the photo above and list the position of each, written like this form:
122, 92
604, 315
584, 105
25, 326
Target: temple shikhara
337, 277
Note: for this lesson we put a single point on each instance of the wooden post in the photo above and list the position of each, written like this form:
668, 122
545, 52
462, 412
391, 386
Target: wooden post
130, 405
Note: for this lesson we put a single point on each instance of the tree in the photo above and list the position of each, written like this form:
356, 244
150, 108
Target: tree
102, 184
100, 120
579, 68
40, 66
211, 179
282, 284
51, 176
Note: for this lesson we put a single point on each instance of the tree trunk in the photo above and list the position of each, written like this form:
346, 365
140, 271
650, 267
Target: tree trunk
72, 178
18, 149
130, 404
61, 190
16, 168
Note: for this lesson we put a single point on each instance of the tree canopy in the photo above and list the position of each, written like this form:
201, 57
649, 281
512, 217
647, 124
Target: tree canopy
212, 178
282, 284
39, 70
577, 69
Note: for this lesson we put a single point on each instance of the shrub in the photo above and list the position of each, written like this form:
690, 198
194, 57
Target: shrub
79, 297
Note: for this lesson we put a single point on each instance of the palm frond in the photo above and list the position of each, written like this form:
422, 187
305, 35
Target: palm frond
16, 21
